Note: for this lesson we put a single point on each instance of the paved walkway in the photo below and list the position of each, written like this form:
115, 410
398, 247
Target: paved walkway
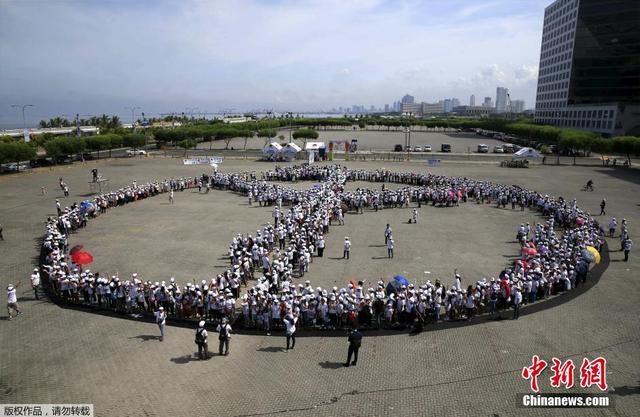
57, 355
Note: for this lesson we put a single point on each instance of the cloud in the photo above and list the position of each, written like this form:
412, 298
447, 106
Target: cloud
248, 54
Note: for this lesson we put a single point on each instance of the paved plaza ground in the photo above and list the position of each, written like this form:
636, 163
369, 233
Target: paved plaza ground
369, 140
55, 355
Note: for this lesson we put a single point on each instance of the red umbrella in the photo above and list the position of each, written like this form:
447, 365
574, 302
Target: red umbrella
82, 258
76, 248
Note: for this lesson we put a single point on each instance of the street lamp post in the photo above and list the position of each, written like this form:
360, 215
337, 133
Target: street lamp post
22, 106
133, 111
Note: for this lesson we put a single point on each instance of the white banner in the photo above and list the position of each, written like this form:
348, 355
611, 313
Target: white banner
203, 160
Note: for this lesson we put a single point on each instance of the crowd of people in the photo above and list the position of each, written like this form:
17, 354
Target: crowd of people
264, 286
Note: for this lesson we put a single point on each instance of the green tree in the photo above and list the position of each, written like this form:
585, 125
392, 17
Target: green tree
98, 143
134, 140
16, 151
626, 145
305, 135
187, 144
246, 134
267, 134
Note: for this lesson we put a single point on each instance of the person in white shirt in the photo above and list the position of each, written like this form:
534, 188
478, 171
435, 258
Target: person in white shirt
290, 321
224, 336
171, 197
12, 300
202, 340
390, 245
347, 248
35, 282
161, 318
387, 233
517, 301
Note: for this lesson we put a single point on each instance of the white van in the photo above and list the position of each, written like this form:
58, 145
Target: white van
482, 148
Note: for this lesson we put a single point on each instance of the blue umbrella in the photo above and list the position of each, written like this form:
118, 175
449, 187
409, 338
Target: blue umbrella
400, 280
396, 283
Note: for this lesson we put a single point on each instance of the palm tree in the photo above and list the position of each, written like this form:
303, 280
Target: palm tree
43, 124
103, 121
114, 122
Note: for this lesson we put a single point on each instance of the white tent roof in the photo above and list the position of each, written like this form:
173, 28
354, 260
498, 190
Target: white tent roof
273, 146
312, 146
528, 153
292, 147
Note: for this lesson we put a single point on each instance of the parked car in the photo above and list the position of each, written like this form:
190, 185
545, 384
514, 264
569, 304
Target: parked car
134, 152
508, 148
445, 147
397, 148
85, 157
417, 148
41, 162
64, 159
498, 149
427, 148
14, 167
482, 148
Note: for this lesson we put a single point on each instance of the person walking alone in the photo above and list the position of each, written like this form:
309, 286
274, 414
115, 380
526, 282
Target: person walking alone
390, 245
35, 282
355, 341
202, 340
224, 336
12, 300
161, 318
603, 204
171, 197
290, 321
628, 243
347, 248
612, 227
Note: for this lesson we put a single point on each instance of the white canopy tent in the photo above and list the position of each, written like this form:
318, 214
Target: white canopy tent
290, 151
271, 151
528, 153
314, 149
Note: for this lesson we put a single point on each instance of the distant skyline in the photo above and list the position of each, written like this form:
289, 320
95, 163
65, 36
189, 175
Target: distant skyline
95, 57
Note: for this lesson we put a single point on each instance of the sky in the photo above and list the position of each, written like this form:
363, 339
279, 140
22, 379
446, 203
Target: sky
94, 57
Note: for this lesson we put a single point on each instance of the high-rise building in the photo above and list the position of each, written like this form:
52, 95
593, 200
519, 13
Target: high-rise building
517, 106
386, 108
432, 108
455, 102
407, 99
589, 72
487, 102
501, 100
447, 106
472, 100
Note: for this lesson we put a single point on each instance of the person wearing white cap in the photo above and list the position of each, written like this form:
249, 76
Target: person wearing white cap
224, 336
161, 318
390, 245
35, 282
517, 301
12, 300
202, 340
290, 321
347, 248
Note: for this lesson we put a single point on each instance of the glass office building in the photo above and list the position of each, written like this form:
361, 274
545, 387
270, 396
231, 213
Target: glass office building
589, 76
